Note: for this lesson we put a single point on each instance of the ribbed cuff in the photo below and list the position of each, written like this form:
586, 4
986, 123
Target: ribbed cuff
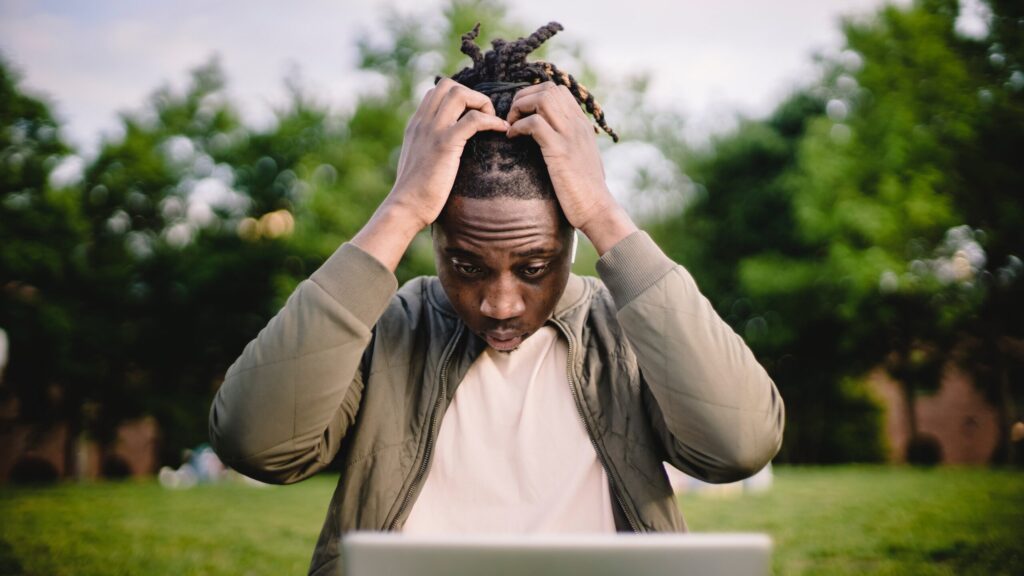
357, 281
632, 266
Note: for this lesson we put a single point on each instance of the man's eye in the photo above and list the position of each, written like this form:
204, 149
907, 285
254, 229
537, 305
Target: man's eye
466, 269
534, 271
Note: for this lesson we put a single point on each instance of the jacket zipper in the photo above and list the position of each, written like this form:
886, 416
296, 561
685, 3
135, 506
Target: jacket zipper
432, 434
616, 482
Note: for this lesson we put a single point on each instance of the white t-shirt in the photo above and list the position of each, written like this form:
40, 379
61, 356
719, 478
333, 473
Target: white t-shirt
512, 455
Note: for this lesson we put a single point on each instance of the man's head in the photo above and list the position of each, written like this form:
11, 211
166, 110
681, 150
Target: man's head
502, 244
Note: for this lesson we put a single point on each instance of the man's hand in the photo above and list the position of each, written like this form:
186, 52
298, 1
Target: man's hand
550, 114
449, 115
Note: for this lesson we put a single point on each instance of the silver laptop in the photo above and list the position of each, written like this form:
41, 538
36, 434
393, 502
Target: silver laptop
394, 554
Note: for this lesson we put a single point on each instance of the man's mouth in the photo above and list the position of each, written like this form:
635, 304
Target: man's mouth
503, 341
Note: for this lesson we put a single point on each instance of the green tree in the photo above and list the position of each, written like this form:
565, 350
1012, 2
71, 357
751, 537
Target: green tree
988, 196
353, 172
914, 192
740, 239
41, 234
872, 191
181, 263
874, 219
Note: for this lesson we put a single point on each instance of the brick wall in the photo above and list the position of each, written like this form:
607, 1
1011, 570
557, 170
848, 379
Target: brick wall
964, 423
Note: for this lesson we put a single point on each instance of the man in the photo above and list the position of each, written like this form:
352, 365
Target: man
506, 394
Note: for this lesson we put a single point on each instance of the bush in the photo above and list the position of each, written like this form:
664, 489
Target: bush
924, 450
115, 467
34, 470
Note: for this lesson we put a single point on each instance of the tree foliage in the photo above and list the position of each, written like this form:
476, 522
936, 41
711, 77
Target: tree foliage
873, 220
40, 230
132, 291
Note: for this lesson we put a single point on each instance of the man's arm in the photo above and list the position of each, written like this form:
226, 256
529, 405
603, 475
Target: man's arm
550, 114
719, 412
289, 399
449, 115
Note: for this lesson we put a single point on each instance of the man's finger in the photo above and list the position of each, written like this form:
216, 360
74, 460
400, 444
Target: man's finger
537, 127
432, 99
475, 121
458, 100
533, 89
572, 106
543, 103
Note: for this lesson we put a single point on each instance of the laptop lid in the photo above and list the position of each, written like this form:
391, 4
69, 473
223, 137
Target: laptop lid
395, 554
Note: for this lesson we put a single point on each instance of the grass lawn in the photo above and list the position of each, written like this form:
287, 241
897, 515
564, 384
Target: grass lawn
880, 520
840, 520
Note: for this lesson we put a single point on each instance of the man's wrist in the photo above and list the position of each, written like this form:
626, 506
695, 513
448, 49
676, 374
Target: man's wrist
388, 233
608, 227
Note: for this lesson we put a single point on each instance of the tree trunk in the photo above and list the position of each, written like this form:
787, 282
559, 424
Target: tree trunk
1007, 409
73, 431
909, 395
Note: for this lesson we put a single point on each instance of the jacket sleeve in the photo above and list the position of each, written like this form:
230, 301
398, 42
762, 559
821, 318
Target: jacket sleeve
288, 400
718, 412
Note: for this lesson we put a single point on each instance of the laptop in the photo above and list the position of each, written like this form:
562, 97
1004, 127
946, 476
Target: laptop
395, 554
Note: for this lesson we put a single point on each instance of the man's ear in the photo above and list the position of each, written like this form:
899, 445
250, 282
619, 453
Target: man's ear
436, 231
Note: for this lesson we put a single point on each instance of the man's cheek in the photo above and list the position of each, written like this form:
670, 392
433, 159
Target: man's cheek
468, 306
542, 299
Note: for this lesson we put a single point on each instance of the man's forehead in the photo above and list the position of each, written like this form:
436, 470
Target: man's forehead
500, 215
536, 250
517, 225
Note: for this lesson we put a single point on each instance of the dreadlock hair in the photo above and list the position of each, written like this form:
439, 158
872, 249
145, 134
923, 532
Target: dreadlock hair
492, 164
503, 70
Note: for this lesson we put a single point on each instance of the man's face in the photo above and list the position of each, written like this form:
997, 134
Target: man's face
504, 263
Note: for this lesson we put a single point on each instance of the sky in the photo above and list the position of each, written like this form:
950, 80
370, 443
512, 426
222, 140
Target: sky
708, 60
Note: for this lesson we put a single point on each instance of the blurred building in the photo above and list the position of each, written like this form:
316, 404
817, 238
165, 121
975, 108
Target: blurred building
957, 417
40, 454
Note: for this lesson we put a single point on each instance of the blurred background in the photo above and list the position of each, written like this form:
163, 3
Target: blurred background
845, 180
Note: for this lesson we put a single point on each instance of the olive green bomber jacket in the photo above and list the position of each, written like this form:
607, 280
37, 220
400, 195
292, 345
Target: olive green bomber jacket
351, 369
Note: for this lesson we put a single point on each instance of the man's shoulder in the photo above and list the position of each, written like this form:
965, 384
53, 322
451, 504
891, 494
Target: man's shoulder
418, 298
414, 287
423, 291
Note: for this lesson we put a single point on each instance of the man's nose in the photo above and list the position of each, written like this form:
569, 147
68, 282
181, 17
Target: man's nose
502, 299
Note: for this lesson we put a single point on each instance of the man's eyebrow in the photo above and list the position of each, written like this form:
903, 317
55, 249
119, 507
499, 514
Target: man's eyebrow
528, 253
461, 253
535, 252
